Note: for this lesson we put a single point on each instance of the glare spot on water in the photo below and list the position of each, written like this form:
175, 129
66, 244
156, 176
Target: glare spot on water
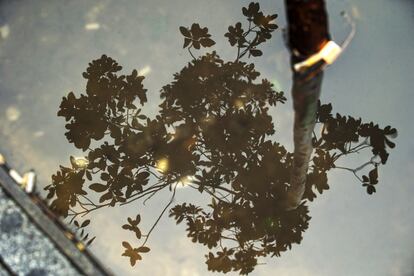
79, 162
185, 181
144, 71
92, 26
239, 104
162, 165
39, 134
12, 113
4, 31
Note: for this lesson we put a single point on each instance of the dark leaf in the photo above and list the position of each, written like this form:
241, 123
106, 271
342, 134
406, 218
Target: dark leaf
143, 249
126, 227
255, 52
245, 12
136, 124
373, 176
105, 176
185, 32
88, 175
105, 197
138, 233
90, 241
126, 245
85, 223
196, 44
207, 42
97, 187
187, 42
370, 189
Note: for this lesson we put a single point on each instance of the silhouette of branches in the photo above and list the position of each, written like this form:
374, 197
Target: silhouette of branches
212, 134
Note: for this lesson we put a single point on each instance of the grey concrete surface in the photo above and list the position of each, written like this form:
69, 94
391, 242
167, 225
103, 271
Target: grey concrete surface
24, 248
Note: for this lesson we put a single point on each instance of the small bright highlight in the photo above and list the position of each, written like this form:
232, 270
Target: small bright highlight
239, 104
92, 26
162, 165
329, 53
144, 71
79, 162
185, 181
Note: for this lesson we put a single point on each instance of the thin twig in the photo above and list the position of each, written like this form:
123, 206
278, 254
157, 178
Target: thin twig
191, 53
160, 216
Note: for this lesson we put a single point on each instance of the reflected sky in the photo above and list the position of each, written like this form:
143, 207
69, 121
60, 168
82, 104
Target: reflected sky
45, 45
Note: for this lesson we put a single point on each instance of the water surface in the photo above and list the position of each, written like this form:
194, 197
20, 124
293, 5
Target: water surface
45, 46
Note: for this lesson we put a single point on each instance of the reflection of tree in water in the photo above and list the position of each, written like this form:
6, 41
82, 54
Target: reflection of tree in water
212, 134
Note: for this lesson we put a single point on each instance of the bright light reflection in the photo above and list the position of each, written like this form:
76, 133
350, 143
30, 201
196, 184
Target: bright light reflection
162, 165
329, 53
79, 162
185, 181
144, 71
92, 26
4, 31
12, 113
239, 104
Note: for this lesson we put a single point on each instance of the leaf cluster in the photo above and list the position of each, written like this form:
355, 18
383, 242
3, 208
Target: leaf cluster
83, 235
259, 30
214, 128
196, 37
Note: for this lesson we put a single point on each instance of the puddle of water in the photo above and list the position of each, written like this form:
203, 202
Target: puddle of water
45, 47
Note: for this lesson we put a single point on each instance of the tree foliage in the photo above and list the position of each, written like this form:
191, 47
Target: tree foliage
213, 134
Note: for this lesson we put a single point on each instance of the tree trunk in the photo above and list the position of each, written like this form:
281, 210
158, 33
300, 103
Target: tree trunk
307, 34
